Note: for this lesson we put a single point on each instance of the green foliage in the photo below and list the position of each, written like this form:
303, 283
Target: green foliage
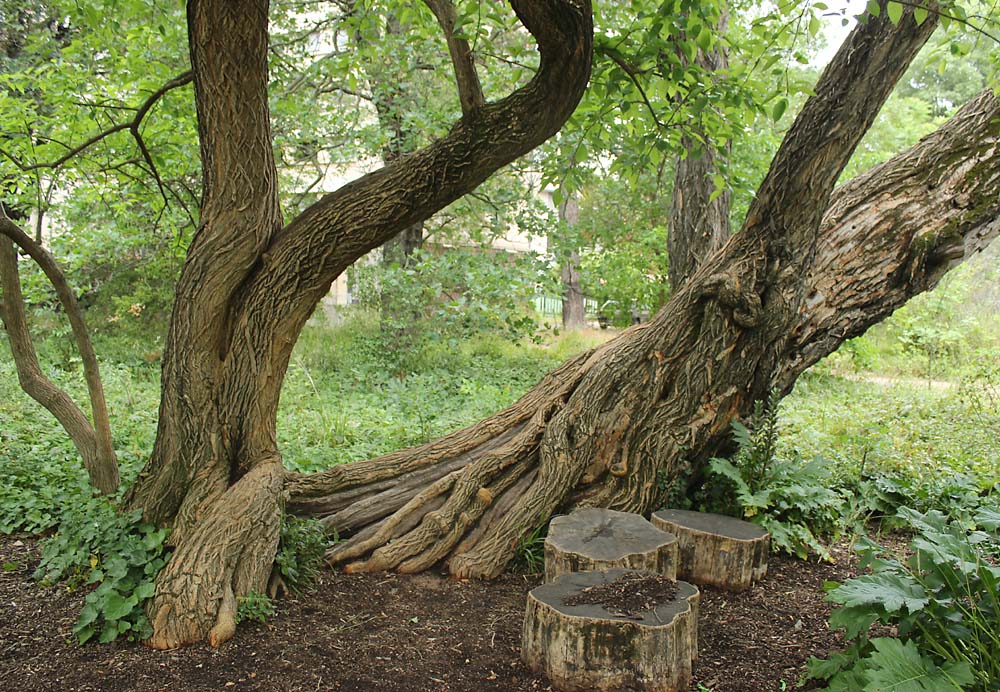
96, 545
943, 600
300, 552
530, 553
341, 403
789, 497
933, 445
623, 245
446, 297
254, 606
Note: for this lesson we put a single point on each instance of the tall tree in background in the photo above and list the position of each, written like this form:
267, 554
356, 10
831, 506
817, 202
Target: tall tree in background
699, 216
574, 314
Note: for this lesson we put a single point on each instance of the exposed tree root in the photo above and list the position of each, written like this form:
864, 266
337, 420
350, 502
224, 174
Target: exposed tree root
228, 554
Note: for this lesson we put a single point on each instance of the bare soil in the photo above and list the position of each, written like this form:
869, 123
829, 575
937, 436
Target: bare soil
393, 632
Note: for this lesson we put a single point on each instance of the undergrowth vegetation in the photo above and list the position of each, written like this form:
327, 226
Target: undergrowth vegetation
943, 603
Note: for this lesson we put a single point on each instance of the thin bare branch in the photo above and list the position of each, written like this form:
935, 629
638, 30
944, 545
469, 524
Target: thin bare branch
470, 91
93, 442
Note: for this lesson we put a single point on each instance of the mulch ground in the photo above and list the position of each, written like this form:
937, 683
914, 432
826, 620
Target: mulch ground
392, 632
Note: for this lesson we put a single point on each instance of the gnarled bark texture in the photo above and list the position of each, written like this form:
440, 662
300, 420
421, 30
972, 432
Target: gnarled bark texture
659, 399
249, 283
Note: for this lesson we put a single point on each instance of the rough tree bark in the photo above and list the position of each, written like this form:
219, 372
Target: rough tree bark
659, 399
249, 284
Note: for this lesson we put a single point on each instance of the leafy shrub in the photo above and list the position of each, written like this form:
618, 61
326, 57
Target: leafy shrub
254, 606
121, 555
790, 498
300, 552
944, 602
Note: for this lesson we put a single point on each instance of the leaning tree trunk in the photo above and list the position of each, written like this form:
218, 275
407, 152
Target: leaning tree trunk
606, 426
249, 284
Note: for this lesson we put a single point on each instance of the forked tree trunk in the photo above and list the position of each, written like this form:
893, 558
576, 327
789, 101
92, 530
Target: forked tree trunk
604, 427
248, 285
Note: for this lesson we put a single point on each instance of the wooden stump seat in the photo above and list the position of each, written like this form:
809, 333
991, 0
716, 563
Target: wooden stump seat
595, 539
591, 647
715, 549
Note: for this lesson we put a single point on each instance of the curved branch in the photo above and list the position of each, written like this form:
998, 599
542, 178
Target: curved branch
92, 442
132, 126
470, 92
298, 267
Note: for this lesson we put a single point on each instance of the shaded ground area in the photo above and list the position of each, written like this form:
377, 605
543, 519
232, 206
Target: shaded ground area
390, 632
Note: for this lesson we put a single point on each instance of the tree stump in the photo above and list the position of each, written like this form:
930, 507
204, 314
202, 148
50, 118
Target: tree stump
716, 550
612, 630
596, 539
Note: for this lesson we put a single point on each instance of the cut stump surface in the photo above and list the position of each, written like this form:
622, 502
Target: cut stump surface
596, 539
589, 647
715, 549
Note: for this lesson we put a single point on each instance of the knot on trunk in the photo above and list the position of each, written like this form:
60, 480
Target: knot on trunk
728, 290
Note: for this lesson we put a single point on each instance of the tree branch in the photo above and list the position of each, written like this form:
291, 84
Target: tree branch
132, 126
470, 92
849, 95
895, 230
92, 442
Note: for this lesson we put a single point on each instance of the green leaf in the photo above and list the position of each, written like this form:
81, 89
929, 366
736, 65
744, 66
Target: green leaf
145, 590
109, 632
854, 620
894, 11
117, 607
890, 591
704, 39
899, 667
920, 14
779, 109
87, 615
874, 9
84, 634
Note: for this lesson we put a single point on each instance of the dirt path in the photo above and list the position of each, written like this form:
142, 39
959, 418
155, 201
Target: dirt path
390, 632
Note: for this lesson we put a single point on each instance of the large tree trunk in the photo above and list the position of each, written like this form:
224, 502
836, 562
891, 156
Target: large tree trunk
248, 286
602, 428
